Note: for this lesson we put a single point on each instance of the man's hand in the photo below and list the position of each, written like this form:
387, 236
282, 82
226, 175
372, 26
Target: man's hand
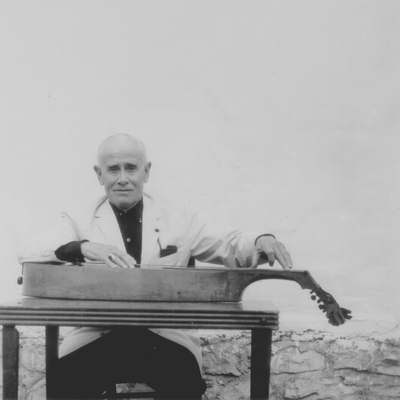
110, 255
269, 249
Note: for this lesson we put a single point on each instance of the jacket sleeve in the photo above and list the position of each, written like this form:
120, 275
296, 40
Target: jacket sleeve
42, 248
210, 244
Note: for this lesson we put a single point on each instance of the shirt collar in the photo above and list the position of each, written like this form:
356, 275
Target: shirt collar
135, 212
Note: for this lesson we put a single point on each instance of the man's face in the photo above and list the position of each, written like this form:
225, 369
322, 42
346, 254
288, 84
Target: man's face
123, 174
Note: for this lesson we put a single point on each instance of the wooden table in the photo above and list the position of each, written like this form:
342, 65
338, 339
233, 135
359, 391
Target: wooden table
261, 317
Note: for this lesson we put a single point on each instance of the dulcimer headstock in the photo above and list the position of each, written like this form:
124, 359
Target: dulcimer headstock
336, 315
327, 304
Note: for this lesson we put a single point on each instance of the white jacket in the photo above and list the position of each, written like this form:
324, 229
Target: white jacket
165, 222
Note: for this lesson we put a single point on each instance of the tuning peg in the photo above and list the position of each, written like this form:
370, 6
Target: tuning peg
321, 307
20, 280
313, 296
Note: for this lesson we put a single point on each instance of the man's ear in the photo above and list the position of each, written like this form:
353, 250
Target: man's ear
97, 169
147, 167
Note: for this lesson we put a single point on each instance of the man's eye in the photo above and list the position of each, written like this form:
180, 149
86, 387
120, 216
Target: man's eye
113, 169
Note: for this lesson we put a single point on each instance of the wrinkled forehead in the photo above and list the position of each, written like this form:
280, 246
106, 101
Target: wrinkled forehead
121, 147
121, 157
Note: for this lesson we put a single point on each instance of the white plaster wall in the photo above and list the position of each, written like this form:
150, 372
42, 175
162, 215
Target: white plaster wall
277, 117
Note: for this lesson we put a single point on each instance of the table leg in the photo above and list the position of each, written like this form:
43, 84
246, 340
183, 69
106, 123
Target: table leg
261, 340
52, 333
10, 362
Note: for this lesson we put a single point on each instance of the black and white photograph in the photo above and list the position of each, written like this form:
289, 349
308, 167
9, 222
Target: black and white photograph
200, 199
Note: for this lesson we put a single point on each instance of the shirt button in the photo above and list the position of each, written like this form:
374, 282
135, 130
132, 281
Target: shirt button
128, 240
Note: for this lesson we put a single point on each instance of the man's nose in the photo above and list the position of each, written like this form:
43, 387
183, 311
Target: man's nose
122, 179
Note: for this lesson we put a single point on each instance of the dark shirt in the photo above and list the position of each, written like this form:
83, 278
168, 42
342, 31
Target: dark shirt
130, 224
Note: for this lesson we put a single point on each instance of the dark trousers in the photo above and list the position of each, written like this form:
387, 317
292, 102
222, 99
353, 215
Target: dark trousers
127, 355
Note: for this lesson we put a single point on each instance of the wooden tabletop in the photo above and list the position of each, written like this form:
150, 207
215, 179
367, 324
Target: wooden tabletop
207, 315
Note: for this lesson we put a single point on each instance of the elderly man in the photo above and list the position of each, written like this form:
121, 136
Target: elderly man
128, 227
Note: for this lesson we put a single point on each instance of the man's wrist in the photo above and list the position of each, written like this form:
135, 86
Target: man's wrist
71, 252
265, 234
81, 243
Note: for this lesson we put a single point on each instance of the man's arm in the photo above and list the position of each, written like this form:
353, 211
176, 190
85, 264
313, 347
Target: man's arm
62, 243
77, 251
233, 248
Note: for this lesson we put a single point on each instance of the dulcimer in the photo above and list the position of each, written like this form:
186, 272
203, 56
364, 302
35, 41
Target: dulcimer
95, 281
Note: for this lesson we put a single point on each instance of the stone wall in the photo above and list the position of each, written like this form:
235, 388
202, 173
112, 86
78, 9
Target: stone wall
305, 365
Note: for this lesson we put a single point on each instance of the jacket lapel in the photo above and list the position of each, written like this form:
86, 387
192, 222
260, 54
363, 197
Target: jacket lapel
151, 220
108, 225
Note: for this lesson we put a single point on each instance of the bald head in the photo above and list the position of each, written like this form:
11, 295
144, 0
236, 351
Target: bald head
121, 142
122, 169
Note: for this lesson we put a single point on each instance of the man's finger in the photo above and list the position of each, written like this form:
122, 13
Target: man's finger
286, 256
255, 258
128, 260
270, 257
282, 260
115, 261
288, 260
120, 262
109, 263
